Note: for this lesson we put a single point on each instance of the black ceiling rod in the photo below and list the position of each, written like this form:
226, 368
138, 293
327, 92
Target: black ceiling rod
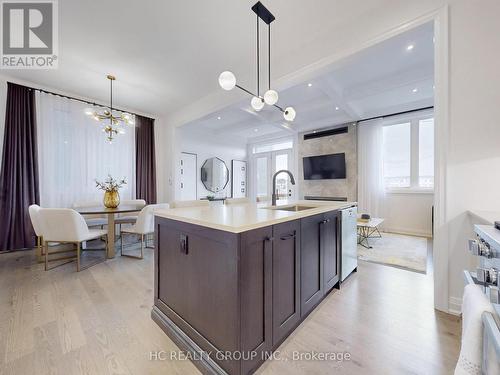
269, 56
258, 58
74, 98
397, 113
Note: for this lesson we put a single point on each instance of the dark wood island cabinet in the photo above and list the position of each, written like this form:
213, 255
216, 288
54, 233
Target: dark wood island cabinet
232, 298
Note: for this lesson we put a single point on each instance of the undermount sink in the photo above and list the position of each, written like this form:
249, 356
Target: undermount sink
296, 208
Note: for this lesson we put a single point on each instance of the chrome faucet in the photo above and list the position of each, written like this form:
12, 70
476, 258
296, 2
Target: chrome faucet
292, 180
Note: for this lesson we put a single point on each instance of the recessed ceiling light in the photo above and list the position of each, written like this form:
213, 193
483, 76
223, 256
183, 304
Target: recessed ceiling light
410, 47
256, 130
337, 108
314, 131
414, 90
218, 118
309, 84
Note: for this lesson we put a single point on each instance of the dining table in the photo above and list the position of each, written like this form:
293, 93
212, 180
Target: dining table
110, 213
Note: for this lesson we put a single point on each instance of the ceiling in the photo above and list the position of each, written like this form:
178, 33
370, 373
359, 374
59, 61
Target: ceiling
167, 55
387, 78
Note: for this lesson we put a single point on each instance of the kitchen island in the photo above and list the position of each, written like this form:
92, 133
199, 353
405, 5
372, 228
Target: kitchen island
233, 281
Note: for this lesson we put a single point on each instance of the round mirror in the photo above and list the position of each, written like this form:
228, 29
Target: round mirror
214, 174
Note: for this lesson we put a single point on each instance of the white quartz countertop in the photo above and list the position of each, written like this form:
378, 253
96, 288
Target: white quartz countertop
237, 218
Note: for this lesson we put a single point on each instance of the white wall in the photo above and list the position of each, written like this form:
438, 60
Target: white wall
408, 213
207, 147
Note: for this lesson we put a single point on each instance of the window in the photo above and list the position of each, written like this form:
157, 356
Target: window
267, 147
397, 155
426, 153
73, 152
408, 154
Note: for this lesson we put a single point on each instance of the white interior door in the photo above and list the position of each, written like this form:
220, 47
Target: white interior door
188, 173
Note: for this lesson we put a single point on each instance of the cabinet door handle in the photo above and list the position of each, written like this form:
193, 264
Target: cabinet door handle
288, 236
269, 239
324, 221
184, 244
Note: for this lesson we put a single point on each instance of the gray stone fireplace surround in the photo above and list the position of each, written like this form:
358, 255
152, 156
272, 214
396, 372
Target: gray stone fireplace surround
333, 144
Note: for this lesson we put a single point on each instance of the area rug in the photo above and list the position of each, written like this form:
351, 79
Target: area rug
397, 250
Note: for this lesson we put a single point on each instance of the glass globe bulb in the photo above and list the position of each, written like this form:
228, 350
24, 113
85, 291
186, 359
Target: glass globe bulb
257, 103
227, 80
289, 114
271, 97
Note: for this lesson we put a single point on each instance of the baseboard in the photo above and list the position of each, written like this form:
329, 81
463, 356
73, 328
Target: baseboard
203, 362
455, 306
407, 232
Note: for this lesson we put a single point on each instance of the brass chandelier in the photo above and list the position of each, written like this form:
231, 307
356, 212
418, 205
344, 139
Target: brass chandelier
113, 121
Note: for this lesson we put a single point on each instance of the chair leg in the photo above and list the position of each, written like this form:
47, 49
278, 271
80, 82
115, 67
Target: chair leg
46, 245
135, 256
78, 257
142, 246
121, 243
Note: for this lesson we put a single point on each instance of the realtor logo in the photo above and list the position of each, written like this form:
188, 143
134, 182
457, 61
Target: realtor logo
29, 34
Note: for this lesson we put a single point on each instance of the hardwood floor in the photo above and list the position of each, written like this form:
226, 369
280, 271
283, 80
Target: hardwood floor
98, 322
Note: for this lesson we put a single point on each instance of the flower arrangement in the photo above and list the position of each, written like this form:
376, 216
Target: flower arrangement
110, 187
110, 184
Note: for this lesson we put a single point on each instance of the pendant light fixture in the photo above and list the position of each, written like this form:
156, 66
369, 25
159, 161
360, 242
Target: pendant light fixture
227, 80
112, 122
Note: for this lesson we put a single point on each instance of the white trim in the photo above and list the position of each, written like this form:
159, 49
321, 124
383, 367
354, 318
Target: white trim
407, 232
441, 132
455, 306
409, 191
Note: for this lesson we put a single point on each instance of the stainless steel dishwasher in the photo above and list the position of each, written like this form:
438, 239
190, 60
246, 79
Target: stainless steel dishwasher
349, 241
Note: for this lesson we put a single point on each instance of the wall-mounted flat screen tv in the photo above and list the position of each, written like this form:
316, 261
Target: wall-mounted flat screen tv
324, 167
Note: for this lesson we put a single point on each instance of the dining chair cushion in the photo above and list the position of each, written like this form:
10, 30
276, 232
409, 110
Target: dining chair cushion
66, 225
137, 202
34, 212
145, 220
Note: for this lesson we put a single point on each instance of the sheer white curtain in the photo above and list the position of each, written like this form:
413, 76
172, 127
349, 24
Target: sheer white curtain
73, 152
371, 190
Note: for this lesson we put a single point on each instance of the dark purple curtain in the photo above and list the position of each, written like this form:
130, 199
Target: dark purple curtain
145, 163
19, 172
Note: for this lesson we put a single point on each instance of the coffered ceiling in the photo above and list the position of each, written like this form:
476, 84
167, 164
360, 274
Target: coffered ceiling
393, 76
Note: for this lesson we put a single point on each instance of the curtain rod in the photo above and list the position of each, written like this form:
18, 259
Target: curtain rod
77, 99
397, 113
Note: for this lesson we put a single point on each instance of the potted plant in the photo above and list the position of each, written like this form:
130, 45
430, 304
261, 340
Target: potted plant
111, 194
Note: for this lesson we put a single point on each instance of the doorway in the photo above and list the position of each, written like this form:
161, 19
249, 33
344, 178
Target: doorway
188, 167
265, 161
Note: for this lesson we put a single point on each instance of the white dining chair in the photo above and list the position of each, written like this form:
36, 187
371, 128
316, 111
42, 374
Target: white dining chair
64, 225
236, 200
130, 218
193, 203
37, 226
92, 220
143, 226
